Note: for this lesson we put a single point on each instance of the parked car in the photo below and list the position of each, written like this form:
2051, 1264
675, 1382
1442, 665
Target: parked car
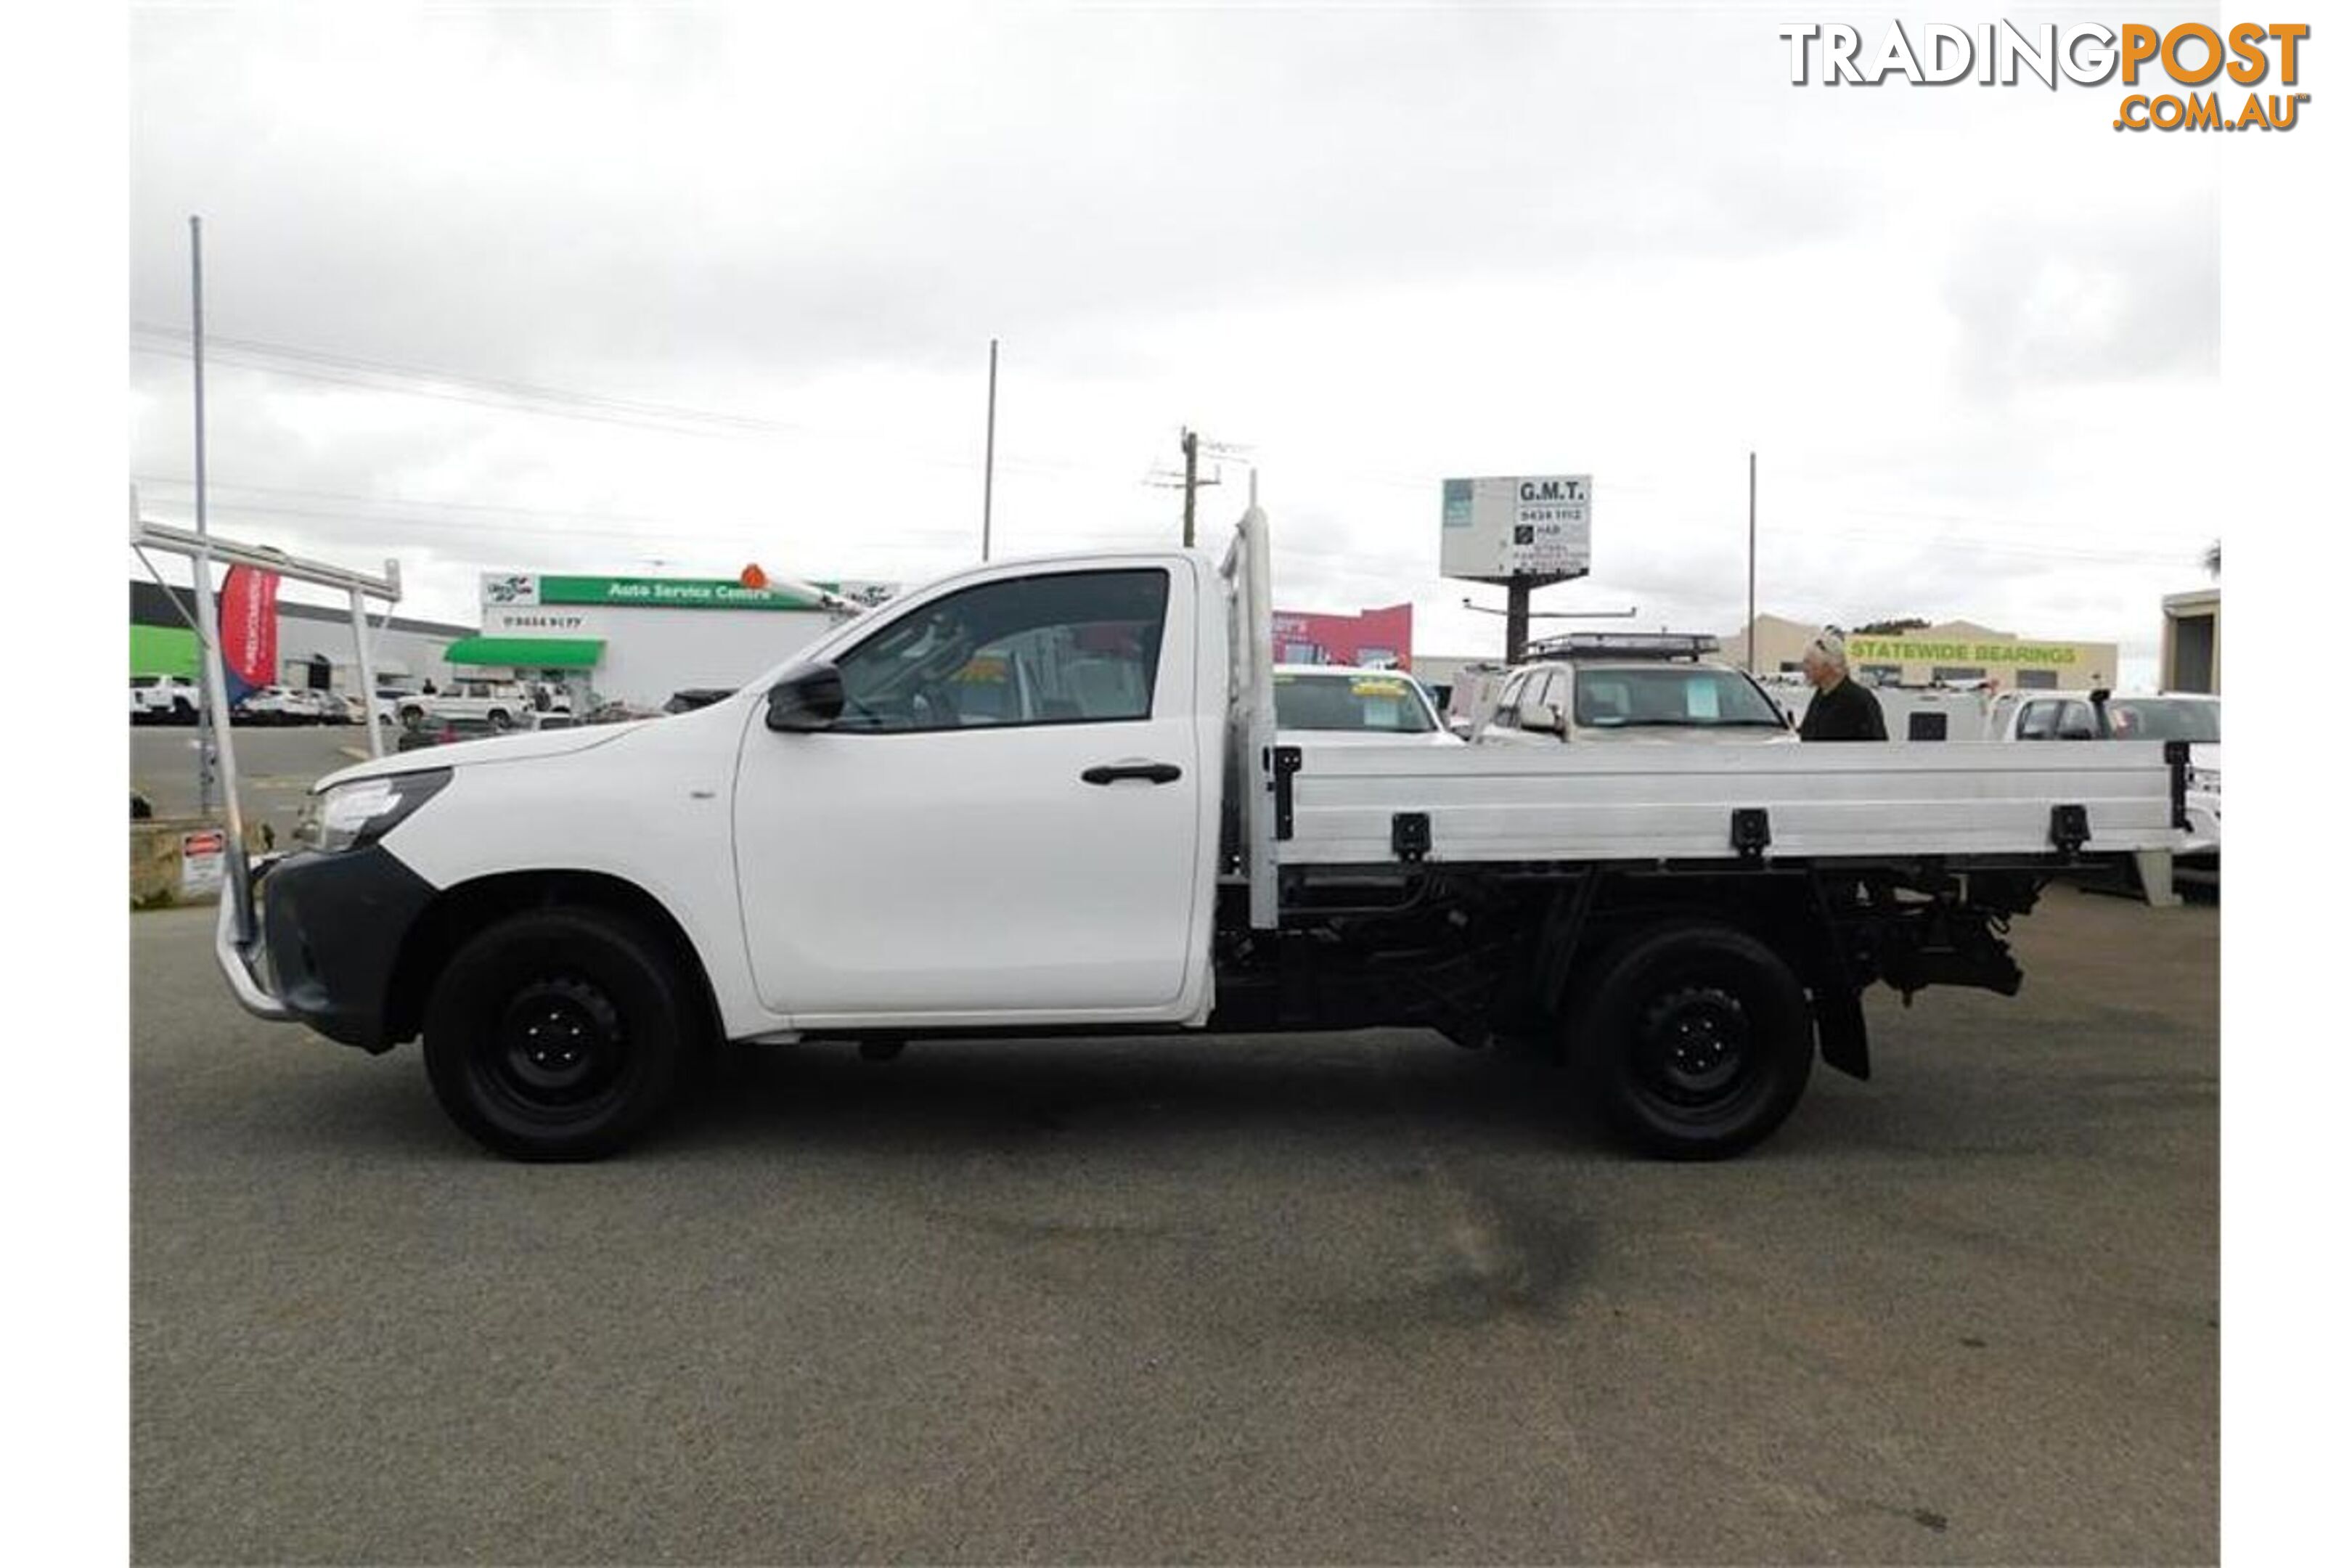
2100, 715
1340, 703
501, 703
165, 700
314, 706
1619, 687
386, 703
446, 732
273, 705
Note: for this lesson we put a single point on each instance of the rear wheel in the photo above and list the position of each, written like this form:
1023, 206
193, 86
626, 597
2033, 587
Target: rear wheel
500, 720
1695, 1040
556, 1034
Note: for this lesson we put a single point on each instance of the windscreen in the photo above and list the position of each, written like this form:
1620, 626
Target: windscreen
2164, 718
1364, 703
1693, 696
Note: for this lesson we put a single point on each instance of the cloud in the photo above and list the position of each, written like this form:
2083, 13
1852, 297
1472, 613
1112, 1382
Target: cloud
1378, 246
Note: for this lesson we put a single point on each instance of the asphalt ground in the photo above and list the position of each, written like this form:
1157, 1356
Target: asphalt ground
276, 766
1329, 1299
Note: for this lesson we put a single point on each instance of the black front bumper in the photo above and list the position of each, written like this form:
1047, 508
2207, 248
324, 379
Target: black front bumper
333, 926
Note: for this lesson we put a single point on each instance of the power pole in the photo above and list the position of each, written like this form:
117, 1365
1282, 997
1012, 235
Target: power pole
1751, 561
988, 470
1191, 479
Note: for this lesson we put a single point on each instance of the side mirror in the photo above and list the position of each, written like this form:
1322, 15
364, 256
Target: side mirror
1542, 718
808, 698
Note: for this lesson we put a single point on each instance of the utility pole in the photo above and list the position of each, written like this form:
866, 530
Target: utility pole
988, 470
1751, 561
1191, 479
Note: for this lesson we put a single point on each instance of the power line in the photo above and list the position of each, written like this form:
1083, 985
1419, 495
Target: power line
524, 397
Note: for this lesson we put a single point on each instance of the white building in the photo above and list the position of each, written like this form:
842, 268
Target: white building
639, 639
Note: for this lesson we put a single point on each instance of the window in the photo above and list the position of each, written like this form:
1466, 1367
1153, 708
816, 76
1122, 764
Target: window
2076, 722
1072, 648
1879, 674
2161, 718
2039, 720
1949, 673
1506, 705
1685, 695
2037, 680
1375, 704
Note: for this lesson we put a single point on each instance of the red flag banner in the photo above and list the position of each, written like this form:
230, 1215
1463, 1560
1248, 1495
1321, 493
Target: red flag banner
248, 629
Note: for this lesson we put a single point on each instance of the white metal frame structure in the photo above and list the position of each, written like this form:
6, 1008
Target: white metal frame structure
202, 550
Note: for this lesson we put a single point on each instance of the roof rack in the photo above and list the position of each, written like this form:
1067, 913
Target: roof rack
1624, 645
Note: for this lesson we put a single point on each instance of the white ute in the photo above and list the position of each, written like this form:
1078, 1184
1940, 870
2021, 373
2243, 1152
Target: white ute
2101, 715
1051, 795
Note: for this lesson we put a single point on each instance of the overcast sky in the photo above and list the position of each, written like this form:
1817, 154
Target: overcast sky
677, 289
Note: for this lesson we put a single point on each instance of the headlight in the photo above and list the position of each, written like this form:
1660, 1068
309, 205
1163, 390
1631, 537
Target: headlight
353, 815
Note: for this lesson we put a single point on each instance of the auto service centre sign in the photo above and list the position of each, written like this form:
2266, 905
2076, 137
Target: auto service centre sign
1536, 526
513, 590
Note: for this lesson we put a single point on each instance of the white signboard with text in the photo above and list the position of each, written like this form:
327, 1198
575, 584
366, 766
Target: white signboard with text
1538, 525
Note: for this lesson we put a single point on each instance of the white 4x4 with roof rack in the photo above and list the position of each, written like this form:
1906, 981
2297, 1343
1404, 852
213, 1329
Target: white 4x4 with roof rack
1053, 795
501, 704
1631, 687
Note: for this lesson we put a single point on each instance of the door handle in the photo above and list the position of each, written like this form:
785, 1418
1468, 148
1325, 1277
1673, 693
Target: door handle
1149, 773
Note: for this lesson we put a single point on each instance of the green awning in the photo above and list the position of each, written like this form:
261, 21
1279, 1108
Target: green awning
529, 653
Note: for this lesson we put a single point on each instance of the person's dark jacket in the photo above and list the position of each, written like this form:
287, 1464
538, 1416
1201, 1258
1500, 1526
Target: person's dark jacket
1846, 711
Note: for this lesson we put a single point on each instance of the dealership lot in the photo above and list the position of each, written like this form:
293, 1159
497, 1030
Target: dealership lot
1347, 1298
275, 768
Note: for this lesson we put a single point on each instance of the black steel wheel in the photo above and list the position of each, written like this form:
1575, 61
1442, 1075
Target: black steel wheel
556, 1034
1695, 1040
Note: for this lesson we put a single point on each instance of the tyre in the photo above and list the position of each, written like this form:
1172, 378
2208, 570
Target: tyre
182, 713
411, 718
1694, 1040
556, 1034
498, 719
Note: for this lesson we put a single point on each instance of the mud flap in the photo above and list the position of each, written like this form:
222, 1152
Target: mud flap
1843, 1034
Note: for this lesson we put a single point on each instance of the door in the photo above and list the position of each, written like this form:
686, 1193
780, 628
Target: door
1005, 820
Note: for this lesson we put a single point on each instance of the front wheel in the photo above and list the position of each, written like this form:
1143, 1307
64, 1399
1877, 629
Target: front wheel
556, 1034
1695, 1040
500, 720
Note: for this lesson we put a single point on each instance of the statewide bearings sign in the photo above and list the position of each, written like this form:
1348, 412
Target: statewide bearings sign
1525, 526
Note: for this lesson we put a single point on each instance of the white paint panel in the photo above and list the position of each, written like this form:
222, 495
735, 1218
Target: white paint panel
1509, 804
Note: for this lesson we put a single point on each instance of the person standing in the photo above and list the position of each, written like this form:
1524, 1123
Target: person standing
1841, 710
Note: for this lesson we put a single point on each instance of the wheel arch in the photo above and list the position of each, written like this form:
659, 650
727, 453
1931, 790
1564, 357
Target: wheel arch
458, 912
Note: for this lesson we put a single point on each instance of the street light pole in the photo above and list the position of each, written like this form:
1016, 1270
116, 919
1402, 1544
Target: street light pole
1751, 561
988, 470
213, 760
